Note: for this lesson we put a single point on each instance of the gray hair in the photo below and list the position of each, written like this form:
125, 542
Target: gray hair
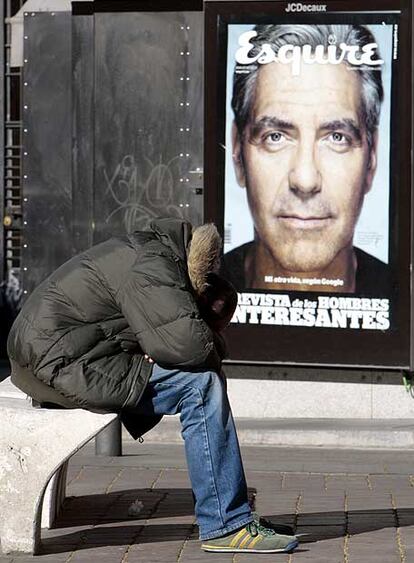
299, 35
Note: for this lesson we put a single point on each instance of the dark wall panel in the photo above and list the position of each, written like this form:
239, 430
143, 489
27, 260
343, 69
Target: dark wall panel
148, 119
83, 130
47, 184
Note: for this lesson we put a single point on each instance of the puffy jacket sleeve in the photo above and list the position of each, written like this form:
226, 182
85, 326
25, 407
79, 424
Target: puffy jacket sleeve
159, 306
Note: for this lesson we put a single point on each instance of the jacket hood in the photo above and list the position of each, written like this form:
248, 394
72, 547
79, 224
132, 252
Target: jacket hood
175, 233
199, 248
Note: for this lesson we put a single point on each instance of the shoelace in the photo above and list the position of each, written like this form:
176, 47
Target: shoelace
254, 529
262, 521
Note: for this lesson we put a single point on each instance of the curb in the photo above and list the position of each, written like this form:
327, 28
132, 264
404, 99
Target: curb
354, 433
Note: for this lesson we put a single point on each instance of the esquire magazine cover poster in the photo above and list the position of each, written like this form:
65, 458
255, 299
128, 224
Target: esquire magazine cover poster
308, 210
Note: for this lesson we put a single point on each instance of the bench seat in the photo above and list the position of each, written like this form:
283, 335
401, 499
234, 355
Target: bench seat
35, 447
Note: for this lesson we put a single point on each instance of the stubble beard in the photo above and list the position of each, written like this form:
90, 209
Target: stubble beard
304, 256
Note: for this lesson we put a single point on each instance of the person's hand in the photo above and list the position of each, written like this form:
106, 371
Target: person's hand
148, 358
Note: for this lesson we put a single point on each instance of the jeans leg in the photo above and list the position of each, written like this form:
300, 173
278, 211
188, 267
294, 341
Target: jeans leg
212, 449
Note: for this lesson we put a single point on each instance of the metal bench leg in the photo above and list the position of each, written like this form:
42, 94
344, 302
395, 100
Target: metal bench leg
109, 441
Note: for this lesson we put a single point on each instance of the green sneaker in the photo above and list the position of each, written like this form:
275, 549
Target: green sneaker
253, 538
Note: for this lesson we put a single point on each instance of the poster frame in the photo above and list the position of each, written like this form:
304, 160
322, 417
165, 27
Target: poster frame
323, 345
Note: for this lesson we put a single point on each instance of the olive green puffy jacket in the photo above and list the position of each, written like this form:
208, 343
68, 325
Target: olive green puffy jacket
83, 331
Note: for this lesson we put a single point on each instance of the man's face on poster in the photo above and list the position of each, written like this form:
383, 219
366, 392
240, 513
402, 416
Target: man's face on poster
305, 161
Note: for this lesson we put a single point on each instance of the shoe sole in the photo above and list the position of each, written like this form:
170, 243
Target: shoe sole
286, 549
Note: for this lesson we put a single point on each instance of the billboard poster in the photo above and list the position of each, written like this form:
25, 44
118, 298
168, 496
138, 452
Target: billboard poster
309, 116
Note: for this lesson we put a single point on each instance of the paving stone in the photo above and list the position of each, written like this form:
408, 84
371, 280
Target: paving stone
103, 555
407, 535
51, 558
329, 551
409, 553
152, 553
373, 554
389, 482
321, 518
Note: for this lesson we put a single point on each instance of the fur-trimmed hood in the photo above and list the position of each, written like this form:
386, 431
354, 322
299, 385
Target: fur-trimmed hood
203, 255
200, 247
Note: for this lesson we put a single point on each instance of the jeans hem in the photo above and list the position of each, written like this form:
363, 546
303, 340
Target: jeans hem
226, 530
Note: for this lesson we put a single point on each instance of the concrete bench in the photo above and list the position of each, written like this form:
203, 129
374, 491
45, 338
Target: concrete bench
35, 447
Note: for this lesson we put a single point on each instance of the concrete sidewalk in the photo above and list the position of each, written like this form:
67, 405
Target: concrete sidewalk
357, 506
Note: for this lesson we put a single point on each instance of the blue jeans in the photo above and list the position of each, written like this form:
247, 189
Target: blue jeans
213, 455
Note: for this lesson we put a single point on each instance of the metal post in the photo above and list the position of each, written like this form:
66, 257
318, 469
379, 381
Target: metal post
2, 137
109, 441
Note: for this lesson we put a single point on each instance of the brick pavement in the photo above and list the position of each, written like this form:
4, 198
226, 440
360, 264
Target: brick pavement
355, 510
